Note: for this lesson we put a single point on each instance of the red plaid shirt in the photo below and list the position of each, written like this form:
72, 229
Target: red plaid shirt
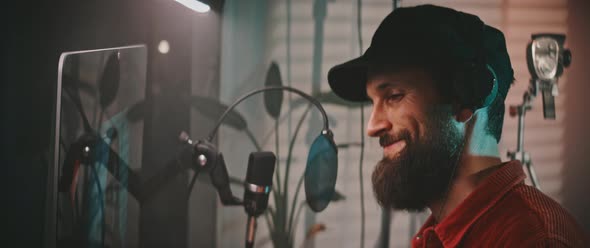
504, 212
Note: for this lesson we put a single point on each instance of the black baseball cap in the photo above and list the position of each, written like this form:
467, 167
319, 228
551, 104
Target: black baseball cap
425, 34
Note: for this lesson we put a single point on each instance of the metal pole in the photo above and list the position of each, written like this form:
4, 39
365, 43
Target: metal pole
520, 154
383, 240
520, 138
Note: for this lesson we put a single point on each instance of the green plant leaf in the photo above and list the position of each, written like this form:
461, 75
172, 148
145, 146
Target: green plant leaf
263, 241
108, 84
236, 181
273, 100
213, 109
348, 145
338, 196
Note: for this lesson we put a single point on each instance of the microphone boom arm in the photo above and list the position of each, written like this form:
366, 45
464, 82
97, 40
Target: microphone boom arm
274, 88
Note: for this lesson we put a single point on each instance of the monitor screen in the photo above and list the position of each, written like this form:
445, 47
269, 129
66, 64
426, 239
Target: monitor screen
98, 145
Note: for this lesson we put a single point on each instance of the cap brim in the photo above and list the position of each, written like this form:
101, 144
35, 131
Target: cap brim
348, 80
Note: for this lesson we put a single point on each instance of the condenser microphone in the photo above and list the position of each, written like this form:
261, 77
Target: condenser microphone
261, 167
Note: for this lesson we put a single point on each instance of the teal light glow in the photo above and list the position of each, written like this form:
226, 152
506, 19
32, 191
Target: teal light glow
482, 143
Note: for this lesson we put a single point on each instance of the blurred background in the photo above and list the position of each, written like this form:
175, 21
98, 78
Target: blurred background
185, 62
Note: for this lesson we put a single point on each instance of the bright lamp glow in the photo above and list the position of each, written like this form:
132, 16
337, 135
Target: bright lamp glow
164, 47
545, 57
195, 5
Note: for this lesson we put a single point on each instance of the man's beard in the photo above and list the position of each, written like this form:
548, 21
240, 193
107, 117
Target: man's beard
421, 173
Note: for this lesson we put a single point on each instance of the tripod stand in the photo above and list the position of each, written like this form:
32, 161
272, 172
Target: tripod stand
520, 153
546, 58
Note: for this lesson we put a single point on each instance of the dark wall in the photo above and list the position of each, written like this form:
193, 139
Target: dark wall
577, 119
34, 34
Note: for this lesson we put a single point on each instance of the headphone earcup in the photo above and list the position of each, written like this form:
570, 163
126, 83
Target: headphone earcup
464, 86
475, 82
474, 86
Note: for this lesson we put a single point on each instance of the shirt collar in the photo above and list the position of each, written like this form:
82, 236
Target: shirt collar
452, 229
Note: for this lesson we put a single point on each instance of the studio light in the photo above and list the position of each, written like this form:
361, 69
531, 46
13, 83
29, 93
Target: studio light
546, 58
545, 52
195, 5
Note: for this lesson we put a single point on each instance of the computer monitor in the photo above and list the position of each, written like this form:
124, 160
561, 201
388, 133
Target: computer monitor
95, 147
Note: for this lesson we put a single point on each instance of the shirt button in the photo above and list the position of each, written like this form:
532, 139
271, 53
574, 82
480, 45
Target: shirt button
418, 237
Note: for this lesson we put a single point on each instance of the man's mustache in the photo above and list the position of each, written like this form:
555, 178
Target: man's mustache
388, 139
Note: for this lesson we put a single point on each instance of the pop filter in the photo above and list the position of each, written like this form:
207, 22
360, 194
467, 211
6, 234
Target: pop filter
321, 172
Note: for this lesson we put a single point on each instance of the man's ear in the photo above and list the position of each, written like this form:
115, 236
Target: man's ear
463, 114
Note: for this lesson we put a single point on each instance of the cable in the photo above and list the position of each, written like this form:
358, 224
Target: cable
359, 25
101, 197
301, 93
361, 178
448, 189
73, 185
362, 108
192, 183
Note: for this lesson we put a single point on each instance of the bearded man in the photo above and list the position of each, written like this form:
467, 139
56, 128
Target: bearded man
437, 79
